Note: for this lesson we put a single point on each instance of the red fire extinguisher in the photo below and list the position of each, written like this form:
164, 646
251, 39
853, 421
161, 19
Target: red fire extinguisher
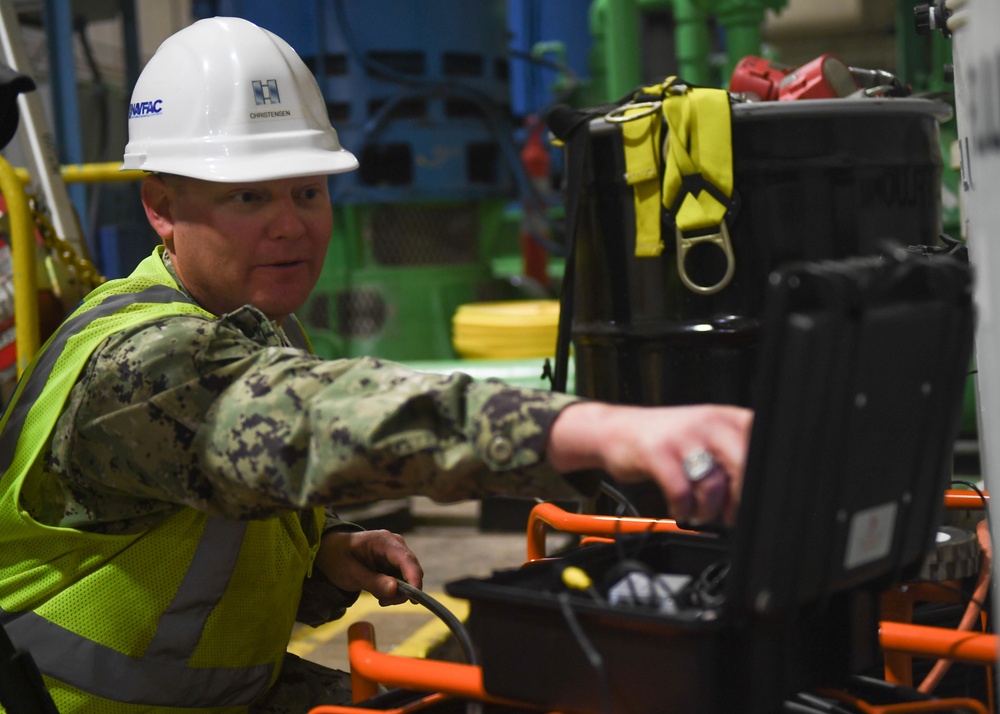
537, 163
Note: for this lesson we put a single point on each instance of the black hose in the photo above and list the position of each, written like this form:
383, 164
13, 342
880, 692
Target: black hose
624, 504
453, 623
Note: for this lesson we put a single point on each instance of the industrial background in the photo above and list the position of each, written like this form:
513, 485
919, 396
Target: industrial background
450, 242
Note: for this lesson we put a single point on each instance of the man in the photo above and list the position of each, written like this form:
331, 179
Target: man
168, 455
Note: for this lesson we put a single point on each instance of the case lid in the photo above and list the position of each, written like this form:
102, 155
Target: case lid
858, 398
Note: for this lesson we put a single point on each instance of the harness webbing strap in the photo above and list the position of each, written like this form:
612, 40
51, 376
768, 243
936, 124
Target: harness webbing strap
641, 139
699, 161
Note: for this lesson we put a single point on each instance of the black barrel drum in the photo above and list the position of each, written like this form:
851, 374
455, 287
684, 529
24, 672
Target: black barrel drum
813, 180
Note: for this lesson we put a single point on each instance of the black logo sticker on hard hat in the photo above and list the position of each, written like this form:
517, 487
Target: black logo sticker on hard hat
266, 91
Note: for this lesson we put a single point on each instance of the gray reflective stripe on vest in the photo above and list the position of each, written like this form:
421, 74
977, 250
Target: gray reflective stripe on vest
160, 677
181, 624
43, 368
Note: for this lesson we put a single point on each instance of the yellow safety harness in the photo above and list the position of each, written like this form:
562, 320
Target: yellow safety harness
693, 180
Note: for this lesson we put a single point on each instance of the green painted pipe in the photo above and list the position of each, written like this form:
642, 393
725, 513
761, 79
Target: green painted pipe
693, 42
616, 63
742, 20
617, 59
621, 48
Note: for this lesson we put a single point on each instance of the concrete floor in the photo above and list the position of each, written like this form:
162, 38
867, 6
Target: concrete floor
450, 545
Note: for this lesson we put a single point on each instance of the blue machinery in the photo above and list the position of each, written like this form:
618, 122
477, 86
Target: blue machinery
428, 115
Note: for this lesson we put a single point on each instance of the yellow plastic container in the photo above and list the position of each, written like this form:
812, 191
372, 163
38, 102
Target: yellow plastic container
506, 330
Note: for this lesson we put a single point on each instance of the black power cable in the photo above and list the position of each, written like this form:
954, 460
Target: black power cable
625, 506
446, 616
982, 497
453, 623
587, 647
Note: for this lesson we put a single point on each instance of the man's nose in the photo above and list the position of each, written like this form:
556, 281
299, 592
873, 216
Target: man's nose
286, 220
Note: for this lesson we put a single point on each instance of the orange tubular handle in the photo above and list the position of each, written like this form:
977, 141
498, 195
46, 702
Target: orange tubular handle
428, 701
408, 672
964, 500
422, 675
924, 640
933, 705
549, 514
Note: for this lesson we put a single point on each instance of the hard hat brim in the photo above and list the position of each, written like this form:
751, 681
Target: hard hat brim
233, 169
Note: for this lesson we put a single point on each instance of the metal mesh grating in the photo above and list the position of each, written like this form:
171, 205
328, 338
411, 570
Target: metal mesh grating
360, 313
424, 235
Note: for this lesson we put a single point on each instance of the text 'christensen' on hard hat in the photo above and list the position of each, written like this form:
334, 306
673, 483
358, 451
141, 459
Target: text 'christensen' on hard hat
225, 100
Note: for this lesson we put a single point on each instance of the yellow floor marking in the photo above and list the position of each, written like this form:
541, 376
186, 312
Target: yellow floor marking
305, 640
426, 638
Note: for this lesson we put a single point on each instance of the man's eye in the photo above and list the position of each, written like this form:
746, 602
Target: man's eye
245, 197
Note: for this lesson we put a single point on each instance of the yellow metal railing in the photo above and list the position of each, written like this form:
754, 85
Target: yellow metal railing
91, 173
22, 238
22, 250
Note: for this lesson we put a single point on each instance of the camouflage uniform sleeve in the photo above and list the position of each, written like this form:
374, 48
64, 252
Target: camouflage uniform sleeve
219, 416
322, 601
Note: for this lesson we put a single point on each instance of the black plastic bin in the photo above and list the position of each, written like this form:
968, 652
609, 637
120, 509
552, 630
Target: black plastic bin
652, 663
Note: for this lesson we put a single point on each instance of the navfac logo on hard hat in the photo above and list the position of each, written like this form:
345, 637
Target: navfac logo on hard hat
137, 110
266, 91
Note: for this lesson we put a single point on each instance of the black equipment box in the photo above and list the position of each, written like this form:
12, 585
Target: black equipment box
823, 179
858, 395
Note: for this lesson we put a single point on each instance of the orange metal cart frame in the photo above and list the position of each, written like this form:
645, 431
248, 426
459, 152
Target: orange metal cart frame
444, 680
902, 641
462, 681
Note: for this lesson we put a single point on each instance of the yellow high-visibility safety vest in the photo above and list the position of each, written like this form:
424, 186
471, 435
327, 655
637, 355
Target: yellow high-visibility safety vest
194, 613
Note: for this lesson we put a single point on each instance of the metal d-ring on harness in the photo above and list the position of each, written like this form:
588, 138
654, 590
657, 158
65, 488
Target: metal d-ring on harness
618, 115
725, 244
696, 185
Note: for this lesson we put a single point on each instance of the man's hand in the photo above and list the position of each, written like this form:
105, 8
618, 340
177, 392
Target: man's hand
650, 443
369, 560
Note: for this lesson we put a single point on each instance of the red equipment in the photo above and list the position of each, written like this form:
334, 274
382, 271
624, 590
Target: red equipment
825, 77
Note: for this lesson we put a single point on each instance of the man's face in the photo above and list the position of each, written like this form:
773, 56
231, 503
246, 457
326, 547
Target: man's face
260, 243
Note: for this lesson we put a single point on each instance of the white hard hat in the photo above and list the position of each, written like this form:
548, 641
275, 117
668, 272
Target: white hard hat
225, 100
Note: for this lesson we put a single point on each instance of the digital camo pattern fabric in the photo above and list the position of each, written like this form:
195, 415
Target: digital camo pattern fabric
303, 685
225, 417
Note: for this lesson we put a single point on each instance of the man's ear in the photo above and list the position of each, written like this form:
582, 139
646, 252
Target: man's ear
157, 200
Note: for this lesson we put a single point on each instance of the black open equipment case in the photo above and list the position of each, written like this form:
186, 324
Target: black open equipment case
858, 395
